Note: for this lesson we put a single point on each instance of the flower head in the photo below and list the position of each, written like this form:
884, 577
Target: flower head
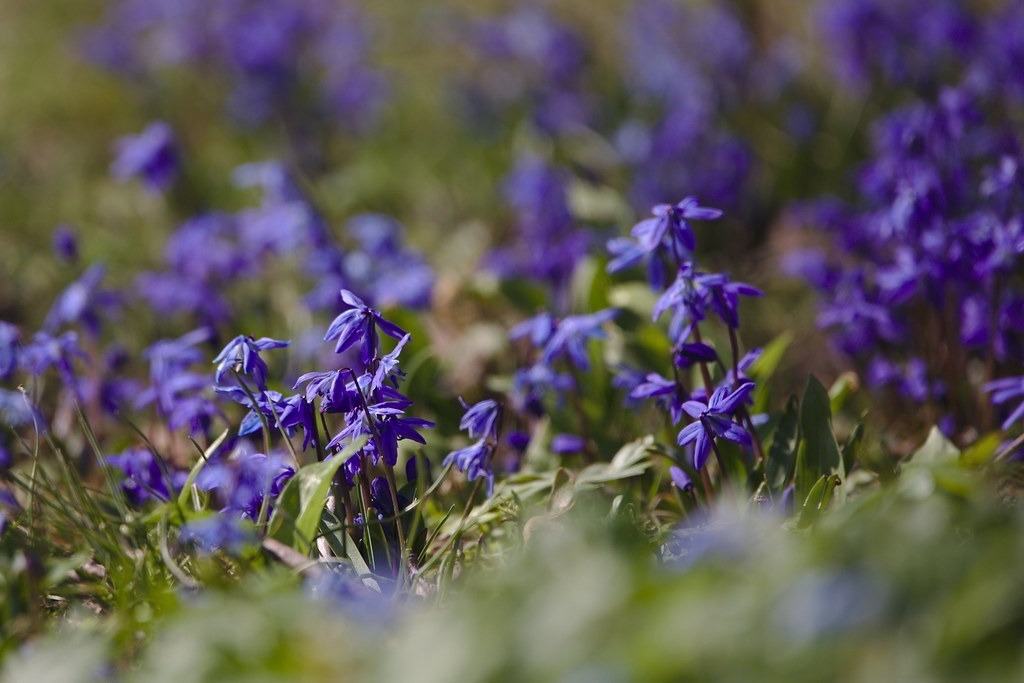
360, 324
713, 420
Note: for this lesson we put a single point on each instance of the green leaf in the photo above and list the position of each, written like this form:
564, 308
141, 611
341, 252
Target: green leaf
841, 390
297, 510
765, 366
186, 490
563, 492
852, 445
982, 450
589, 286
818, 499
781, 455
936, 450
633, 296
822, 457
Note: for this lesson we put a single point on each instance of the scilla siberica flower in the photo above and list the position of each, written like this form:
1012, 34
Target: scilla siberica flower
243, 353
1004, 390
714, 419
481, 423
150, 155
360, 324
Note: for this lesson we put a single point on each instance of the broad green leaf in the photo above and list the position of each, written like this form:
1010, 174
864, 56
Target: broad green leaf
781, 454
297, 510
818, 499
822, 457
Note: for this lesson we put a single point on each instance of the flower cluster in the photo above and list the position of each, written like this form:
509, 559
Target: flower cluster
268, 52
719, 411
927, 279
212, 251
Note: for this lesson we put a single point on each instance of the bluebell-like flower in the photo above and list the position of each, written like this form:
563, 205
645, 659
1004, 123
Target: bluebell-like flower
9, 338
150, 155
475, 461
242, 482
572, 334
664, 390
680, 479
690, 354
244, 352
360, 323
538, 329
217, 531
481, 419
565, 444
16, 410
144, 478
82, 302
387, 366
65, 244
670, 228
714, 419
1004, 390
46, 351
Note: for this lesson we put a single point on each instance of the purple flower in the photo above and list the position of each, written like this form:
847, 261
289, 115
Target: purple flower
387, 366
65, 244
1004, 390
680, 479
46, 351
360, 323
9, 337
714, 419
481, 419
16, 411
670, 227
217, 532
145, 477
566, 443
244, 352
242, 482
151, 155
475, 461
81, 302
571, 335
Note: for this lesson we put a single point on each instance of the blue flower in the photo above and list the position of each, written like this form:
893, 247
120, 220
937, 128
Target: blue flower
145, 478
567, 443
680, 479
65, 244
242, 482
475, 461
670, 226
571, 335
481, 419
9, 336
150, 155
217, 532
244, 351
81, 302
387, 366
360, 323
714, 419
1005, 389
